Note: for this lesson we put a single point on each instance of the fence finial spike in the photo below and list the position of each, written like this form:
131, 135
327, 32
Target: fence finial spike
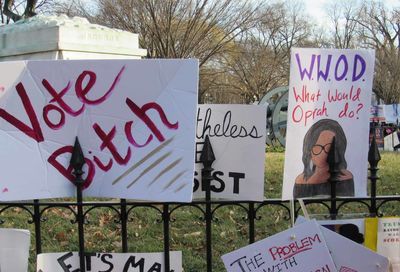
207, 154
373, 153
77, 159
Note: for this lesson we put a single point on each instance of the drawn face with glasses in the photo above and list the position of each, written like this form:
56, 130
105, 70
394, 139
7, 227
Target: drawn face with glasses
320, 150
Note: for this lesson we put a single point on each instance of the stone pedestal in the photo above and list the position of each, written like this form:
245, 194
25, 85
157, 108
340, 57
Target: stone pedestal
60, 37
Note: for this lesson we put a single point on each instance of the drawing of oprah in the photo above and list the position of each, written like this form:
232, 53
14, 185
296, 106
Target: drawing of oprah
314, 181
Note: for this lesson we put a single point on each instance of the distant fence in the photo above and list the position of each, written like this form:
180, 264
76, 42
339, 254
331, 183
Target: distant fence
123, 208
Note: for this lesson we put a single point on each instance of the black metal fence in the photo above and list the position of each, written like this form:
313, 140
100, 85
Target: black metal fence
123, 208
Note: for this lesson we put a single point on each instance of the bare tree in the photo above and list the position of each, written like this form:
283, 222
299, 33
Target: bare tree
381, 31
202, 29
344, 16
261, 59
42, 6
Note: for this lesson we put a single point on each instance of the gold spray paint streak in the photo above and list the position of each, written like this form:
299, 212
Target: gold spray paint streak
165, 170
145, 158
154, 164
173, 180
180, 187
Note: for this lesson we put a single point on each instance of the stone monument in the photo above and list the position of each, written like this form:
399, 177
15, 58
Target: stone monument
60, 37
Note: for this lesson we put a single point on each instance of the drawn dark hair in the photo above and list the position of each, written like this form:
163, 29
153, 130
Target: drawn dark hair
351, 232
311, 138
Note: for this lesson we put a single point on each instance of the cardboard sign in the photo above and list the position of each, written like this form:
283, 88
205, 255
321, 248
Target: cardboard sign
237, 135
392, 113
14, 250
362, 259
388, 240
347, 227
301, 248
377, 113
329, 97
96, 262
135, 120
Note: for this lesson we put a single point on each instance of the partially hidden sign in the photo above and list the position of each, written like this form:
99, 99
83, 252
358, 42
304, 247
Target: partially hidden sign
329, 97
135, 120
343, 240
301, 248
388, 240
237, 135
107, 262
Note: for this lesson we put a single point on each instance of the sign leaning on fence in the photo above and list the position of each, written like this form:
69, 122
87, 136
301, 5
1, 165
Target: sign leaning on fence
237, 136
69, 261
135, 120
301, 248
329, 97
347, 243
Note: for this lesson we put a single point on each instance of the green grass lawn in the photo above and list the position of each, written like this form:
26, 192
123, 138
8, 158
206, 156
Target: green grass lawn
230, 229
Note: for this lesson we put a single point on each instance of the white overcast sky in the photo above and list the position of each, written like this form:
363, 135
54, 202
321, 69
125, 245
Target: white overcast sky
316, 8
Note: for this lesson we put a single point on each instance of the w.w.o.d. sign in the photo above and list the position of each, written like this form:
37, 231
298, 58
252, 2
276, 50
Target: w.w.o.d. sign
135, 120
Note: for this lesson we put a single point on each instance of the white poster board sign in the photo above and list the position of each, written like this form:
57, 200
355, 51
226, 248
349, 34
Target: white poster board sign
96, 262
329, 96
14, 249
135, 120
392, 113
377, 113
347, 227
362, 259
388, 240
237, 135
301, 248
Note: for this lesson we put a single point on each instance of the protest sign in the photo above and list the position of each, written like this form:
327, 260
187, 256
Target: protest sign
388, 240
301, 248
104, 262
349, 243
329, 97
135, 120
14, 249
377, 113
371, 232
391, 113
377, 131
352, 229
237, 134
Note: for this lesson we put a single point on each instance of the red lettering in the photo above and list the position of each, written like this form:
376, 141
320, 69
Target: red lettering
141, 113
81, 91
46, 119
35, 132
107, 143
67, 172
58, 97
294, 118
101, 165
128, 133
292, 249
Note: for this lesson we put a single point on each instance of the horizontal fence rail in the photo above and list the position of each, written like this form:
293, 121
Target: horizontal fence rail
123, 209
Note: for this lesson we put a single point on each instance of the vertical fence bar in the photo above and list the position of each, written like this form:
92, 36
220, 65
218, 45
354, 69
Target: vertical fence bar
81, 222
333, 161
373, 158
124, 226
77, 162
251, 217
166, 219
36, 220
207, 158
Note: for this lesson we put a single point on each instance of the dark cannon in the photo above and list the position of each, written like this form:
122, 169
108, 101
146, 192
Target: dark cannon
277, 101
